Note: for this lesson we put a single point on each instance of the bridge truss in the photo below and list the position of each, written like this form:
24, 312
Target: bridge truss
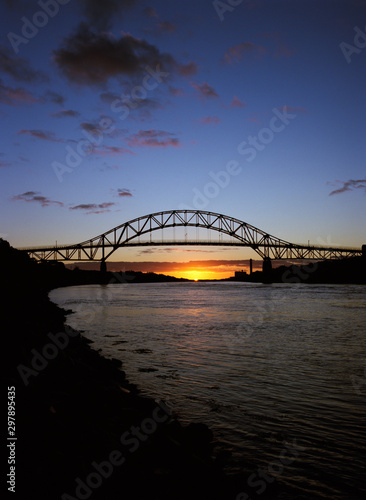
240, 233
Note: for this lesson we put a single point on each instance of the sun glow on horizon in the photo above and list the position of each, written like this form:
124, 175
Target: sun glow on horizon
195, 275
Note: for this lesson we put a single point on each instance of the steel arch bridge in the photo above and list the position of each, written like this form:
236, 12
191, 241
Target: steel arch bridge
240, 233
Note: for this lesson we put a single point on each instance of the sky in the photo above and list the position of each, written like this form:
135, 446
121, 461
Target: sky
113, 110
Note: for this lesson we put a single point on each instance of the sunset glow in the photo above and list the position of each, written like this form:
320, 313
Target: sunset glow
113, 111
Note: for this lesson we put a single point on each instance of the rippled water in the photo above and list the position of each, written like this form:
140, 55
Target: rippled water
264, 366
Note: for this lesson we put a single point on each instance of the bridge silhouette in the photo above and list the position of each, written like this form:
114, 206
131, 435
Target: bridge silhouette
235, 231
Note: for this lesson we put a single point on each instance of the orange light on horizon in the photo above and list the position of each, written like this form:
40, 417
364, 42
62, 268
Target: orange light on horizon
196, 275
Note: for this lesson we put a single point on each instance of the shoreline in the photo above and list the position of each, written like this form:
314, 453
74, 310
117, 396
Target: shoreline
83, 429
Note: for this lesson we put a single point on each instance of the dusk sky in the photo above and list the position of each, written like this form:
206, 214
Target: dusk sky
112, 110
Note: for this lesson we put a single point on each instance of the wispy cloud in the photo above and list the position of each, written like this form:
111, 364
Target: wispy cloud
100, 14
18, 68
209, 120
36, 197
15, 96
350, 185
188, 69
153, 138
54, 97
40, 134
236, 52
292, 109
176, 91
280, 48
124, 192
65, 113
160, 26
237, 103
111, 151
205, 90
94, 208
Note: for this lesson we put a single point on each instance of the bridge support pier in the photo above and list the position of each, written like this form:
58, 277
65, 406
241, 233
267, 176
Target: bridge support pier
103, 266
267, 270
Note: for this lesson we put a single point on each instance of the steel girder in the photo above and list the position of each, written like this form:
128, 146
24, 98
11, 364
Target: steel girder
242, 234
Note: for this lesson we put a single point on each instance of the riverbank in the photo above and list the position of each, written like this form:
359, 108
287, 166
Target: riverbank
82, 428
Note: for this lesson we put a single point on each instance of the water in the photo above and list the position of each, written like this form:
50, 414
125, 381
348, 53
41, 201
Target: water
264, 366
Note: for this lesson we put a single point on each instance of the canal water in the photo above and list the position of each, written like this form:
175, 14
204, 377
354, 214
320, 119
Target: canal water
278, 372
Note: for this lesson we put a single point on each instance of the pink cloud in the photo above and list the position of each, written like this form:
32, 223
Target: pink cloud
153, 138
93, 208
237, 103
209, 120
235, 53
188, 69
111, 151
34, 196
205, 90
13, 96
40, 134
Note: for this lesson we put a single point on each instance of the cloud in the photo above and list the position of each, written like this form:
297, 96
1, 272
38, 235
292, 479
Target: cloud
100, 13
150, 12
65, 113
281, 49
166, 27
40, 134
161, 26
290, 109
124, 192
209, 120
4, 164
188, 69
18, 68
15, 96
54, 97
350, 185
235, 53
153, 138
237, 103
176, 91
34, 196
92, 59
93, 208
111, 151
205, 90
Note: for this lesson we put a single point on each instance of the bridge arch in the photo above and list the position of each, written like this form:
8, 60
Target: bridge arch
243, 234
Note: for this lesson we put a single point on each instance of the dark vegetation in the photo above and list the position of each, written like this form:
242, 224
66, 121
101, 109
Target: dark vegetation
72, 410
343, 271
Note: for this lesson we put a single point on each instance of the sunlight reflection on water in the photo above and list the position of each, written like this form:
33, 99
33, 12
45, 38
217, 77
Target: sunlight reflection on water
257, 363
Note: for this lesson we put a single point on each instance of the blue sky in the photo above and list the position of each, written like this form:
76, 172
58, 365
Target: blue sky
82, 79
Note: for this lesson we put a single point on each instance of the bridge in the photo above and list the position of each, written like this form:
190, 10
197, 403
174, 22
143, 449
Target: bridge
231, 232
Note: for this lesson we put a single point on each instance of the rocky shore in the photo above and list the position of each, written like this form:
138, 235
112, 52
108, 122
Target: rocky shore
83, 431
